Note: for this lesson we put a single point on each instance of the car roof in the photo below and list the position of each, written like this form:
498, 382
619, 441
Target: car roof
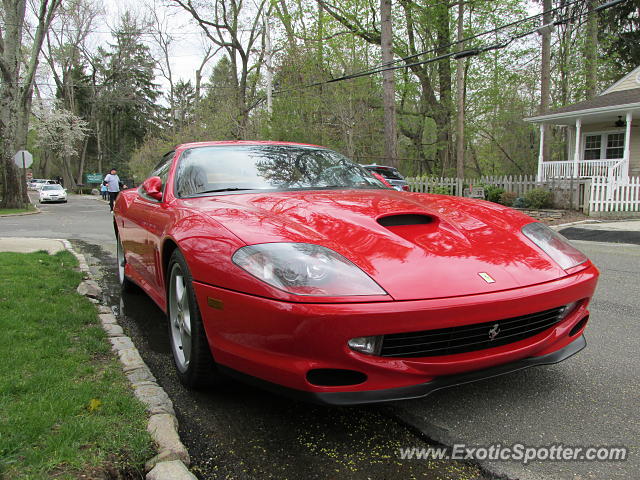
242, 143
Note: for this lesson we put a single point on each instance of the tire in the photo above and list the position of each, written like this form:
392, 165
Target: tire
191, 353
126, 285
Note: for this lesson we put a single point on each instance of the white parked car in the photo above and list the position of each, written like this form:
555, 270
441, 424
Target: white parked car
53, 193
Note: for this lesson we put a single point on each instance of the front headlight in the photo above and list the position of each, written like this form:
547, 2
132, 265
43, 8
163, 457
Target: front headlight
305, 269
554, 245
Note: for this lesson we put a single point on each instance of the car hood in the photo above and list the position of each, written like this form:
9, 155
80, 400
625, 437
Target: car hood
444, 257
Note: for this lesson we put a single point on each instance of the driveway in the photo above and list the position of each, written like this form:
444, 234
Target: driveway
240, 432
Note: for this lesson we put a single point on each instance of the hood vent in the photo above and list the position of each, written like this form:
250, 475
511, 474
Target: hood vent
405, 219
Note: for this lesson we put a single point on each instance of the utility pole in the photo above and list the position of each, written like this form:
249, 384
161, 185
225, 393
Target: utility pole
388, 84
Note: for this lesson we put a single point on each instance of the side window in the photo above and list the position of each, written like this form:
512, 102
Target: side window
161, 170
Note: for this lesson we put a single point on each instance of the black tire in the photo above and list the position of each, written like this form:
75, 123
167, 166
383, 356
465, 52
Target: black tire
126, 285
192, 357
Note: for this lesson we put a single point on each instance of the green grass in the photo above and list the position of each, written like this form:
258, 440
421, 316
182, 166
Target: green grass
66, 408
7, 211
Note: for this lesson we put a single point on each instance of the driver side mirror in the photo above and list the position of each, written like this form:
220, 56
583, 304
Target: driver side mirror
153, 187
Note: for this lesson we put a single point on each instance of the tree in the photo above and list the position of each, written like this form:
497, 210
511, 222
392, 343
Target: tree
16, 90
388, 84
545, 72
62, 133
225, 24
126, 100
460, 87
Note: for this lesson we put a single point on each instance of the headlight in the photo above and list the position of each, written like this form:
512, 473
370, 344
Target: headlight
305, 269
554, 245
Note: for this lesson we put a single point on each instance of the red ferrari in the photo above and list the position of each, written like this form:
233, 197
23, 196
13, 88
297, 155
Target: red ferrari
289, 266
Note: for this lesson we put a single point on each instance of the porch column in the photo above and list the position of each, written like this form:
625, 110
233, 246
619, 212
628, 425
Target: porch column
541, 155
576, 152
627, 148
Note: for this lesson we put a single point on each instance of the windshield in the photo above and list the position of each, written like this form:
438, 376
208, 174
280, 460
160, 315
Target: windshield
52, 187
267, 167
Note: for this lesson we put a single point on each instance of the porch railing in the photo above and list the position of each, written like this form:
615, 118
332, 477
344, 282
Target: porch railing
585, 169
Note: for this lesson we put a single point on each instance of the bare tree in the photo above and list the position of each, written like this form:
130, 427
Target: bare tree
225, 25
16, 90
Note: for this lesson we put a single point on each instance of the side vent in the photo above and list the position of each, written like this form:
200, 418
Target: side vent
405, 219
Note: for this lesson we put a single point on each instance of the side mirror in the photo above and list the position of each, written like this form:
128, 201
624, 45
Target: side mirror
153, 187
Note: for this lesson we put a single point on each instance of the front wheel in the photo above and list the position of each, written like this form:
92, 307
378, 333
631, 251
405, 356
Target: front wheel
191, 353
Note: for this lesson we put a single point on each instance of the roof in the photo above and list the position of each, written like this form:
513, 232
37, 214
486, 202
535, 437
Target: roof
622, 100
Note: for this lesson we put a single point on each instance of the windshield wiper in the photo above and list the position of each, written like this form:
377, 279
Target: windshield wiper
228, 189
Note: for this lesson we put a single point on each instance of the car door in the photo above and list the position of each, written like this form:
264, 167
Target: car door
156, 217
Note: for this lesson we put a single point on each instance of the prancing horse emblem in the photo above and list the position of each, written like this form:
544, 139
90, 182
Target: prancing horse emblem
494, 331
486, 277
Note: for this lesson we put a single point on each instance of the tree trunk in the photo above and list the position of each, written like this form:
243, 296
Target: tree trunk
591, 51
388, 85
545, 75
16, 89
460, 96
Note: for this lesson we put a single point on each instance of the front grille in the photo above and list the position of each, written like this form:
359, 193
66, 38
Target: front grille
469, 338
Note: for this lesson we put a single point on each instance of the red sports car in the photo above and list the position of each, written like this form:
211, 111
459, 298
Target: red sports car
290, 266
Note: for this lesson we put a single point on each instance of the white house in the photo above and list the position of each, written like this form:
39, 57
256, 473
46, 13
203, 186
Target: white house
603, 139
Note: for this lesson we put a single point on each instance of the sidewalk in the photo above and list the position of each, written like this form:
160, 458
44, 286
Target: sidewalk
29, 245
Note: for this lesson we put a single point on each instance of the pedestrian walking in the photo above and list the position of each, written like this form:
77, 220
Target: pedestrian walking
103, 191
113, 185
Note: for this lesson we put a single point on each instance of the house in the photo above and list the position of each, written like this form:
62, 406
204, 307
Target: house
603, 134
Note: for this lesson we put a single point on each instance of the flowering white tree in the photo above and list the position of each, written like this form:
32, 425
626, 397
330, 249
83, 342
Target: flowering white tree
60, 133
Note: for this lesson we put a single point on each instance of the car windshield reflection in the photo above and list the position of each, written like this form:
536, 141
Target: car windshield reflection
228, 169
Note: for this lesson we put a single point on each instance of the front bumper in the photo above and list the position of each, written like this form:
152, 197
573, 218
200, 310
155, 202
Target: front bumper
413, 391
281, 342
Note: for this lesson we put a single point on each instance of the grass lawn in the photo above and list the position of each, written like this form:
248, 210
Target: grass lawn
66, 408
6, 211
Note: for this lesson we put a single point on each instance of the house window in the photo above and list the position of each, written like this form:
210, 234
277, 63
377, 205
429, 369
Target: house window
615, 145
597, 146
592, 147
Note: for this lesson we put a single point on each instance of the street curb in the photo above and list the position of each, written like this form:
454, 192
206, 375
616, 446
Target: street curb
23, 214
172, 459
564, 225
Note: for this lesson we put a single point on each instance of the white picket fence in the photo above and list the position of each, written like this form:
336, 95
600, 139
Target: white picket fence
614, 196
520, 184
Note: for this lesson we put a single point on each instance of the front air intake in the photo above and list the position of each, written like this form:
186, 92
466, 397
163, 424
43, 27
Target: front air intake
335, 377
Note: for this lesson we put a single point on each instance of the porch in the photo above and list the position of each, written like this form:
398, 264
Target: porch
595, 149
602, 135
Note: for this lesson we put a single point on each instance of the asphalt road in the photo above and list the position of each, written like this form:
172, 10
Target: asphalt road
240, 432
591, 399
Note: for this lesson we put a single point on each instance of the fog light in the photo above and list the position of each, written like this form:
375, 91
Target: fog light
567, 309
368, 345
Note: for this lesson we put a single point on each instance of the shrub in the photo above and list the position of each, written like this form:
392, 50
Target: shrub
519, 203
539, 198
442, 191
492, 193
507, 198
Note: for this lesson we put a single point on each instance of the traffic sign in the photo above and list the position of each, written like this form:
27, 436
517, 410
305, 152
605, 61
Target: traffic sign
23, 159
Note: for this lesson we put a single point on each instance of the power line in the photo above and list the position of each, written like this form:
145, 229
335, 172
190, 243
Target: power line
464, 53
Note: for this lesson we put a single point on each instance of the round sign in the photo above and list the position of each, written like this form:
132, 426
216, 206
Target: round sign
23, 159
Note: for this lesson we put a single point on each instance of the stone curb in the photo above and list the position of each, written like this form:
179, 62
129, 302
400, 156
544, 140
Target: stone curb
23, 214
172, 459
